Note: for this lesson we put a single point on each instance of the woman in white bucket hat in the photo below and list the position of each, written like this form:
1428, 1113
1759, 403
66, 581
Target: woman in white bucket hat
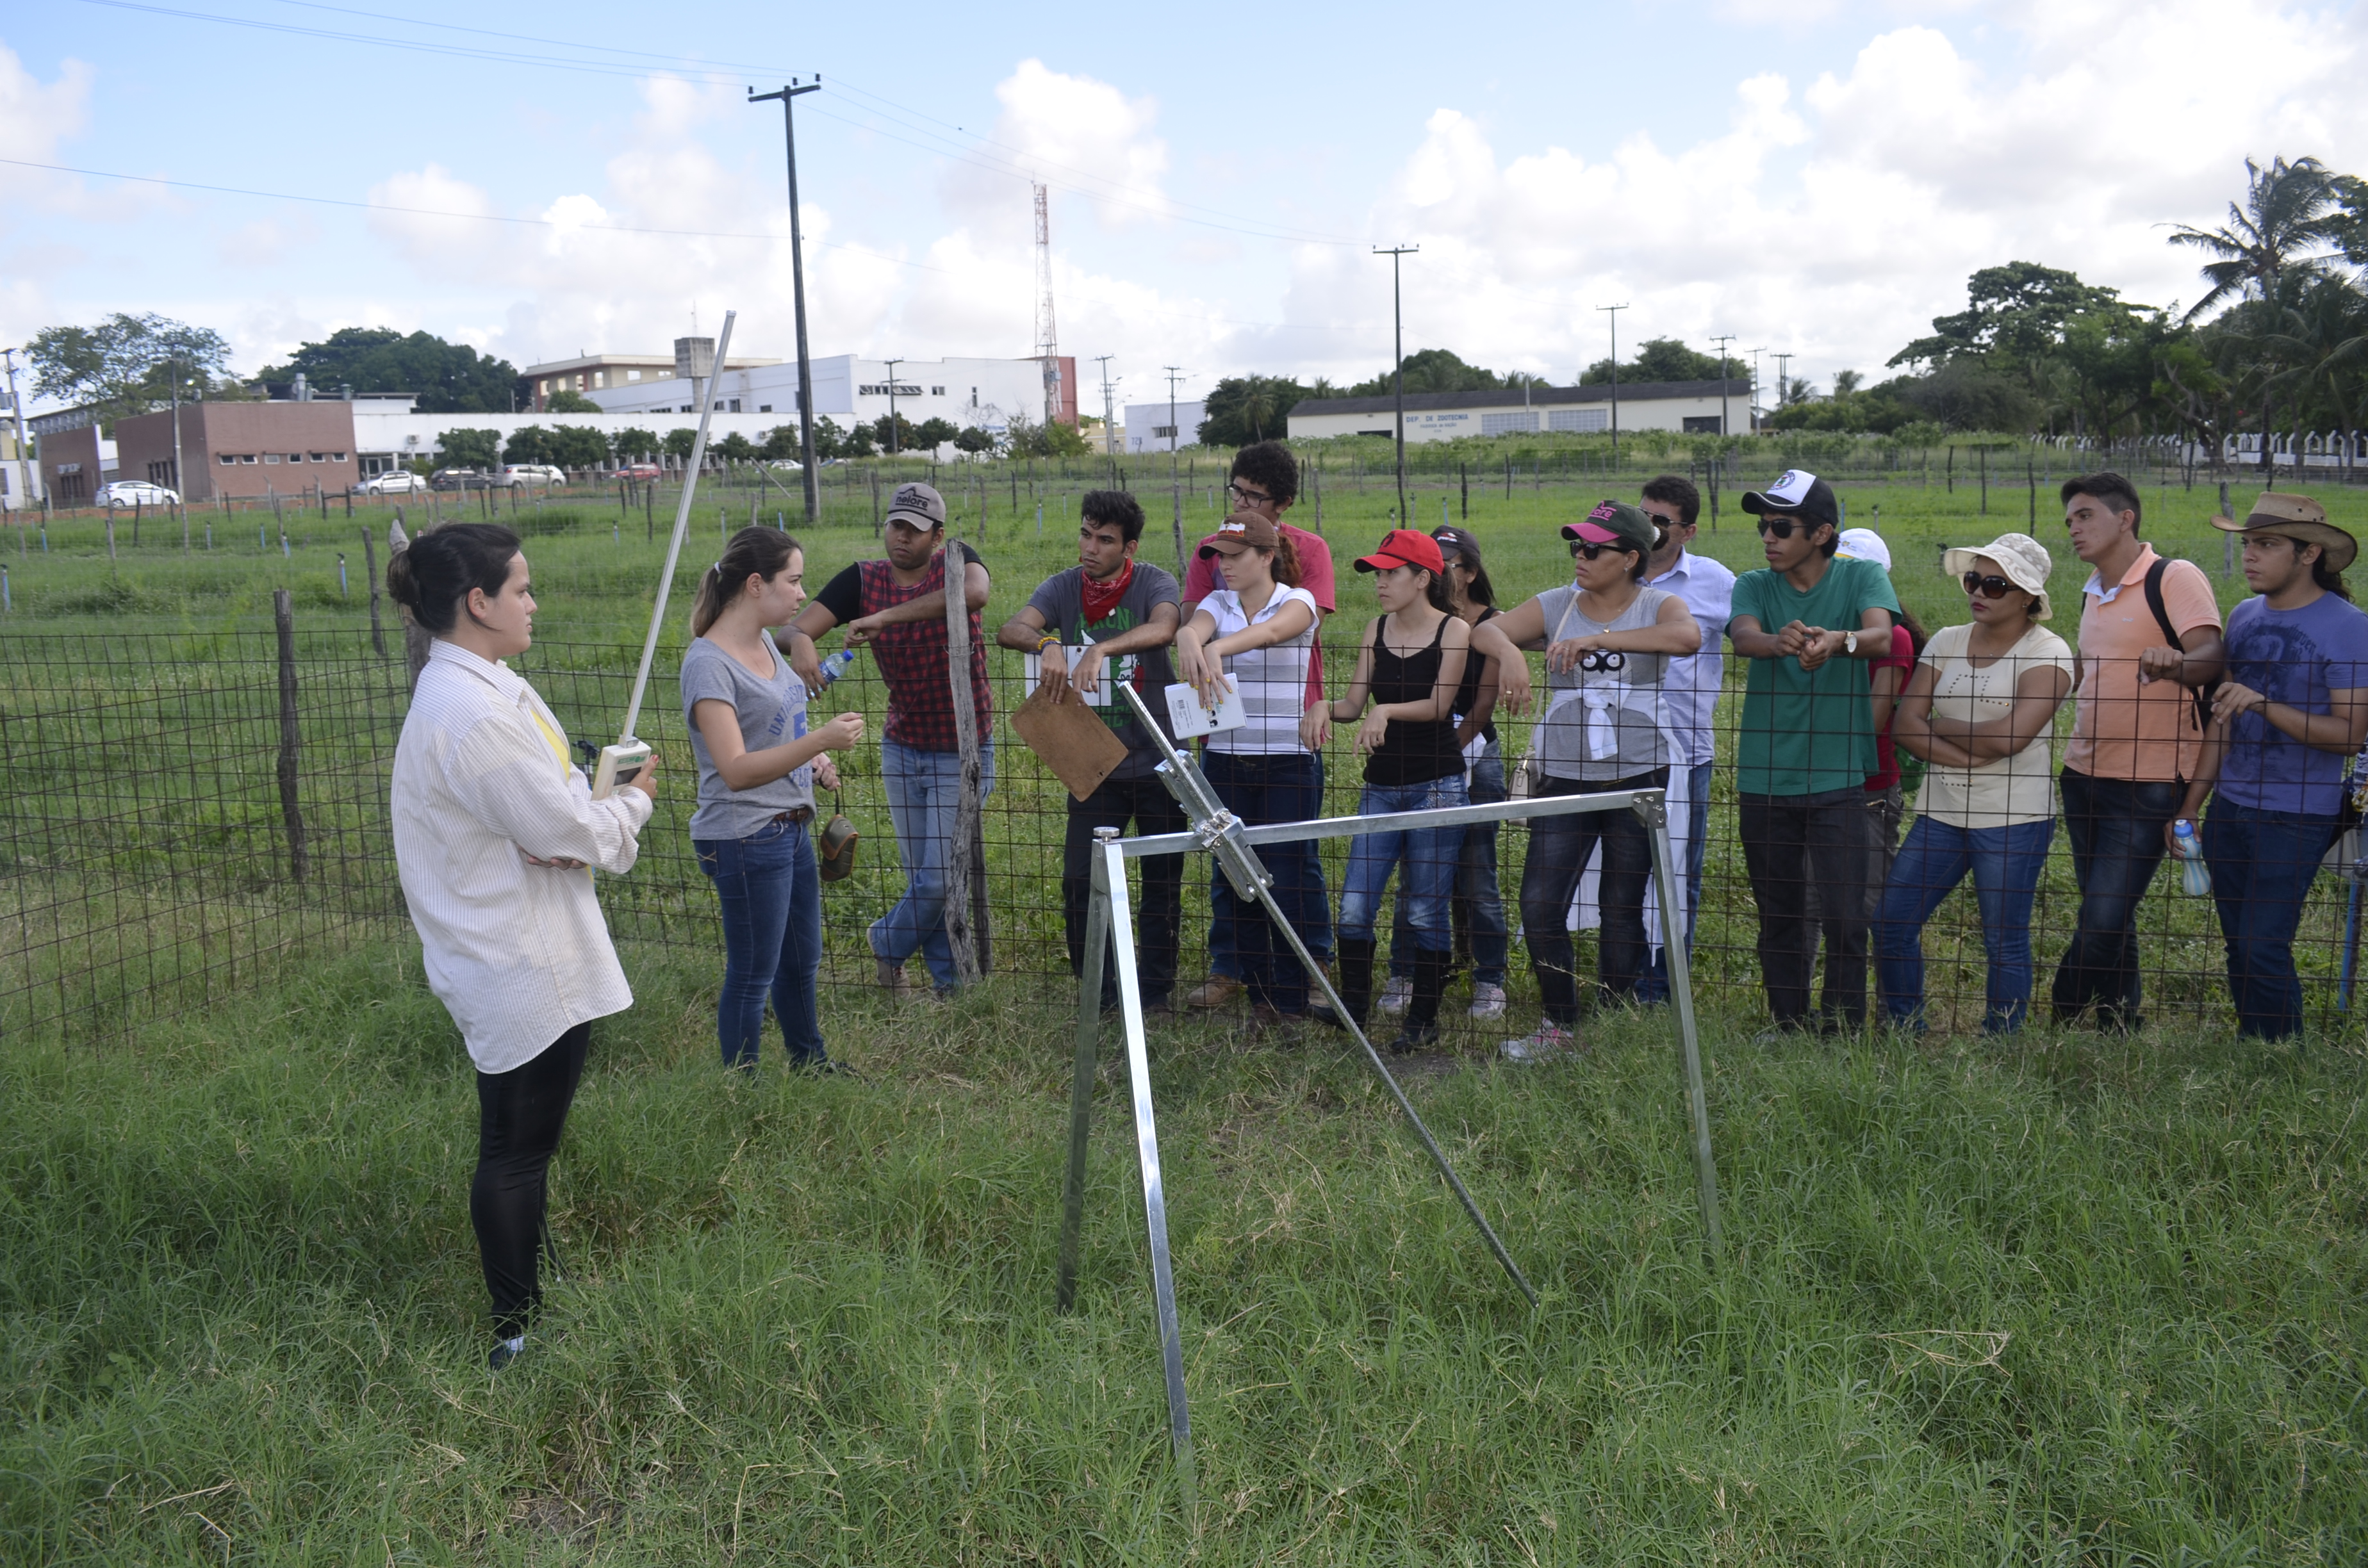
1978, 710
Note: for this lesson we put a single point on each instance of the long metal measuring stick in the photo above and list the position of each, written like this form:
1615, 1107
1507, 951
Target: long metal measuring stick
1195, 795
681, 525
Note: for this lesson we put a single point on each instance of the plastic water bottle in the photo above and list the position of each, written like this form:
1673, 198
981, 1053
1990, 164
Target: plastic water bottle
837, 665
2192, 871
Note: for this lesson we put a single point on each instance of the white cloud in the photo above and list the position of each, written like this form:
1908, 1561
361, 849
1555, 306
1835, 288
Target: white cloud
1836, 229
1082, 134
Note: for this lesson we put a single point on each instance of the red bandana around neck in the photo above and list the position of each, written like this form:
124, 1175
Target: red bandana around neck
1101, 598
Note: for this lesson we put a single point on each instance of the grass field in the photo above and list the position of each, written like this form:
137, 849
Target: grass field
2063, 1300
2071, 1300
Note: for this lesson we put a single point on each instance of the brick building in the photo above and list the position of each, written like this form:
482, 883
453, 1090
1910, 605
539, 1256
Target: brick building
241, 448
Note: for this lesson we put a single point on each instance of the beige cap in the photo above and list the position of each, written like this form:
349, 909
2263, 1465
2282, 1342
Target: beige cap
2021, 560
2297, 517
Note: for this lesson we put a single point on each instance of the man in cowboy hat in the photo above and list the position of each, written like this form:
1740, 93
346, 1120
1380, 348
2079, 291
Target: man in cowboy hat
2293, 708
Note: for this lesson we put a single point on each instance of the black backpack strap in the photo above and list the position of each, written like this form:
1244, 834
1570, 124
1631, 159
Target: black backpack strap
2202, 694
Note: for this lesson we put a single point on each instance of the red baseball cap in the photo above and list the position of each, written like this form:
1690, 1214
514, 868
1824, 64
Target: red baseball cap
1405, 547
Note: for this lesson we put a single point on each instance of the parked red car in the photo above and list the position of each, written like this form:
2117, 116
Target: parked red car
640, 471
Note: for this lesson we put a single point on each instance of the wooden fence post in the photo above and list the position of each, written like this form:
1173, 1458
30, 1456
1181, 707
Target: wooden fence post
370, 569
962, 867
292, 810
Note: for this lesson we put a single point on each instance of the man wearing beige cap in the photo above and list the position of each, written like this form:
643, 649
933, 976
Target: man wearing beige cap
898, 608
2293, 707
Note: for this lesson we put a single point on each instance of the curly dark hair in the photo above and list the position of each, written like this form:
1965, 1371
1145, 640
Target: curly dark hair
1270, 467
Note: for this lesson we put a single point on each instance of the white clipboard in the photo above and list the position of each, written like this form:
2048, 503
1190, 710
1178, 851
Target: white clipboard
1033, 676
1191, 717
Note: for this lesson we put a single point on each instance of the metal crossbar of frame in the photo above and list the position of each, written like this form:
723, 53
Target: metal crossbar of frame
1216, 831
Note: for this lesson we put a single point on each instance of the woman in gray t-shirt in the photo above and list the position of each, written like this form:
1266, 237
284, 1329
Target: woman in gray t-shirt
758, 762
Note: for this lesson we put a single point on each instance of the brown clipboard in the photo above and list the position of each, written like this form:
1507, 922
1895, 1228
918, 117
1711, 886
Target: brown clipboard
1071, 739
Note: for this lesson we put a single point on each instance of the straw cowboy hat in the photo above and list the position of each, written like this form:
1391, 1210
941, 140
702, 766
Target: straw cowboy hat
2297, 517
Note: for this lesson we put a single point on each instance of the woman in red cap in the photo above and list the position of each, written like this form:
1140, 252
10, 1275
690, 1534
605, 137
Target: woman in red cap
1411, 666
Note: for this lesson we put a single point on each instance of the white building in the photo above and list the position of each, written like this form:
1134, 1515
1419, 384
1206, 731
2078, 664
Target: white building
1164, 427
389, 433
1707, 408
849, 391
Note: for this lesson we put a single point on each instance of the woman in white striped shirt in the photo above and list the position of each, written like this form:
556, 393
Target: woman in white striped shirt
494, 834
1255, 636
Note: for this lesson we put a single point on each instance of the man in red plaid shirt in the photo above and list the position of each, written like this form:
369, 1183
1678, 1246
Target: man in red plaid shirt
898, 608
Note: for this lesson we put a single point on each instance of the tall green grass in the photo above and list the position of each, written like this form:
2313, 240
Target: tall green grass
2064, 1300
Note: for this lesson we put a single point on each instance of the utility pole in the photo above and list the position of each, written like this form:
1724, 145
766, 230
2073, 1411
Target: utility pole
1615, 311
1397, 345
798, 290
1783, 364
1754, 388
180, 500
1176, 470
1110, 411
24, 468
892, 365
1048, 347
1724, 428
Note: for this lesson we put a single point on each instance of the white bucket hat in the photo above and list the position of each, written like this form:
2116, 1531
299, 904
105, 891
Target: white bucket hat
2021, 559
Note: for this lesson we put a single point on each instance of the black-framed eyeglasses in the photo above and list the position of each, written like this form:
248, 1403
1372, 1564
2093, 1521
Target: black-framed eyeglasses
1781, 527
1600, 659
1989, 588
1252, 497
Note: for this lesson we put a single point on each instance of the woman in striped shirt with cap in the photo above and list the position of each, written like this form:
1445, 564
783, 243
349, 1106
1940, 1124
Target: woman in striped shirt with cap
1254, 636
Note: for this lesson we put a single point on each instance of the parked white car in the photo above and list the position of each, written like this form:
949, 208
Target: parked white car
136, 493
516, 474
395, 482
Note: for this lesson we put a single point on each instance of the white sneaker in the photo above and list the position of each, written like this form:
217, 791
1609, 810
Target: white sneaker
1487, 1001
1551, 1039
1396, 993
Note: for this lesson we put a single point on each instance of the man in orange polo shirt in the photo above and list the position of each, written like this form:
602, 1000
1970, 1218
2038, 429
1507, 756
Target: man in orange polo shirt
2135, 736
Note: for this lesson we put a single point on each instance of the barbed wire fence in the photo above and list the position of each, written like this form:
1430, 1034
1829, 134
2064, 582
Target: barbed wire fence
193, 814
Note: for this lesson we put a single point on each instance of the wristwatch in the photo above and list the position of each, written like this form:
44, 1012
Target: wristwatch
1849, 643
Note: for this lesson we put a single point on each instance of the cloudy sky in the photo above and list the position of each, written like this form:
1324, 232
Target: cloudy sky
1814, 177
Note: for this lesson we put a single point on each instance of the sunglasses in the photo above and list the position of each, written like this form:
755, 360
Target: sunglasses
1782, 528
1592, 551
1989, 587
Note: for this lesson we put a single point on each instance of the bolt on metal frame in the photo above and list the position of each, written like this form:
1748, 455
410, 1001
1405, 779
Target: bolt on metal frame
1109, 935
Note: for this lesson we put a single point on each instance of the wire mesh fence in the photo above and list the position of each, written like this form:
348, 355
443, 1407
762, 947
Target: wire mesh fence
192, 813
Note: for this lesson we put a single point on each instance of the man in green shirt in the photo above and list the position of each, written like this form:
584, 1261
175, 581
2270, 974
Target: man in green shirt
1809, 624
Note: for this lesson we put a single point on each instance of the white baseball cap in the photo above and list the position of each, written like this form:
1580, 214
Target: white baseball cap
1863, 544
2021, 560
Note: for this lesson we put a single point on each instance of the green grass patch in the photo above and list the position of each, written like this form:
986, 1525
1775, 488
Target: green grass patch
2071, 1300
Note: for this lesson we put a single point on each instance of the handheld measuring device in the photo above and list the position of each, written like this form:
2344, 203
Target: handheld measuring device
623, 762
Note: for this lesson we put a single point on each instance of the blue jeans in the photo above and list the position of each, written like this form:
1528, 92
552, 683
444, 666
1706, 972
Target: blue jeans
1653, 985
1316, 933
772, 940
1275, 788
924, 790
2262, 865
1428, 858
2006, 863
1478, 906
2115, 826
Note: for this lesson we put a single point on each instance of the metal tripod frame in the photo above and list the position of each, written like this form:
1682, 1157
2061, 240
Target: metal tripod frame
1110, 934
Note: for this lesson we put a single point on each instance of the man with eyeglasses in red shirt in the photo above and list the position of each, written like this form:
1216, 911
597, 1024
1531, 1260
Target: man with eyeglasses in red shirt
1264, 479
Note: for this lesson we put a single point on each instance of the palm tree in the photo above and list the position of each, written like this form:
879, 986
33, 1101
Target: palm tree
2289, 212
2320, 339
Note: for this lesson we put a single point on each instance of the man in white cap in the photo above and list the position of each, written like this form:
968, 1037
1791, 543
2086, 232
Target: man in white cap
2293, 707
1887, 678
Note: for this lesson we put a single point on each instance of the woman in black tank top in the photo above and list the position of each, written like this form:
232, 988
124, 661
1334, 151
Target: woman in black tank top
1411, 666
